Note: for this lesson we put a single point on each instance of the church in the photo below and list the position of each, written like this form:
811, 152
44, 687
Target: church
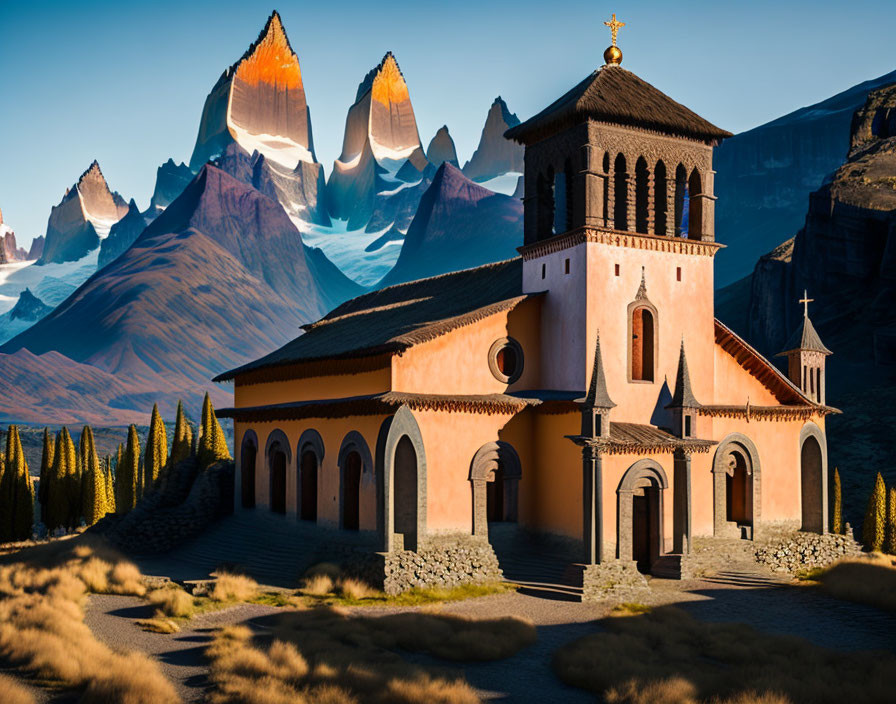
583, 391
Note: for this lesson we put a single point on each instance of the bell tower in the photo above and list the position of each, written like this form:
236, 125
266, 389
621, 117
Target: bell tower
806, 355
618, 191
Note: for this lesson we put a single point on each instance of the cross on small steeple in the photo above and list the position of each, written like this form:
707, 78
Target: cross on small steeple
614, 26
805, 300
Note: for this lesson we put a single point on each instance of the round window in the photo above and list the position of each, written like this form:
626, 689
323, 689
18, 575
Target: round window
505, 359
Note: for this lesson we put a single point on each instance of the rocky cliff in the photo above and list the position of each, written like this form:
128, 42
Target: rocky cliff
844, 256
495, 154
441, 148
37, 248
9, 250
29, 307
259, 104
171, 180
458, 225
381, 149
86, 213
765, 175
122, 235
219, 278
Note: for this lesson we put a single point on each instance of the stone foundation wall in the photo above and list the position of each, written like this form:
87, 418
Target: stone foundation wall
612, 579
798, 552
441, 562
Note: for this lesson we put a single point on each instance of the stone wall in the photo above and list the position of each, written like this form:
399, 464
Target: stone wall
187, 503
441, 562
799, 552
612, 579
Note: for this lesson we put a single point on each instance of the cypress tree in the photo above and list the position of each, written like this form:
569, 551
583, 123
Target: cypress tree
873, 527
890, 546
182, 445
7, 493
212, 443
60, 480
46, 461
156, 450
837, 513
16, 465
93, 480
110, 485
128, 472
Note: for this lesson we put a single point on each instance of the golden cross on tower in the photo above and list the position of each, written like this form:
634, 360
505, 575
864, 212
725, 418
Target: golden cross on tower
614, 26
805, 300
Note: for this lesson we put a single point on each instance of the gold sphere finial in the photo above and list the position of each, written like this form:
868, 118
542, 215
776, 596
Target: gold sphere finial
613, 54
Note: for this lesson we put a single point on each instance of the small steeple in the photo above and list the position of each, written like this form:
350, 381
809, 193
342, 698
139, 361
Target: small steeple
806, 354
597, 404
683, 396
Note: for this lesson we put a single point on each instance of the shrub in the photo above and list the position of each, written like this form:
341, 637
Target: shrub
667, 656
234, 587
869, 579
13, 692
873, 526
837, 513
318, 585
355, 589
158, 625
172, 602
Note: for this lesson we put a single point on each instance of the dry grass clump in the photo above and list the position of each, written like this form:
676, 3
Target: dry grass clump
42, 629
326, 655
667, 656
172, 601
318, 585
13, 692
158, 625
234, 587
356, 590
870, 579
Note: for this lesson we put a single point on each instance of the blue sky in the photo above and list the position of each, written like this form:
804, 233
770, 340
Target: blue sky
124, 82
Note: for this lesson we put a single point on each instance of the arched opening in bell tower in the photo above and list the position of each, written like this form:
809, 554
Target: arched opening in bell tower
620, 200
642, 191
660, 195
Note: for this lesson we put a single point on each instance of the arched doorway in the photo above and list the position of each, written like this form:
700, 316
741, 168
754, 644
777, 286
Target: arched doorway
495, 474
248, 457
811, 483
308, 487
639, 509
277, 463
351, 491
736, 494
738, 490
404, 495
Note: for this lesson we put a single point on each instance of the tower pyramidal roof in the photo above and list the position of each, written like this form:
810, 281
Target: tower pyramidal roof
598, 397
683, 396
804, 338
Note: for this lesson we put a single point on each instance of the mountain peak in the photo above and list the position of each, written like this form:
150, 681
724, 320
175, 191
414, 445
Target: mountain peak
270, 59
93, 174
389, 85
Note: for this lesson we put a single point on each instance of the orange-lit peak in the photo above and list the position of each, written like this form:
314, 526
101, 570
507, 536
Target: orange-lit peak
270, 59
388, 84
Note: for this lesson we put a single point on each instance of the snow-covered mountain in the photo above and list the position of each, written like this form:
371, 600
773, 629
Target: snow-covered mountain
9, 250
259, 104
497, 162
86, 213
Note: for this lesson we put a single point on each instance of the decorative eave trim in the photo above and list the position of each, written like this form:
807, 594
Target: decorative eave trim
333, 366
377, 404
606, 446
618, 238
777, 413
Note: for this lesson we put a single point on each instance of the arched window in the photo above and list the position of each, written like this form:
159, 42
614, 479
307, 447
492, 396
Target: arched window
681, 197
695, 206
620, 187
643, 343
559, 205
606, 169
642, 176
660, 197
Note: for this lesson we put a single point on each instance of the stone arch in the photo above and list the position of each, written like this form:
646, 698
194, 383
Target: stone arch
660, 198
402, 425
488, 460
642, 196
733, 450
681, 186
278, 458
620, 191
813, 479
309, 459
695, 205
248, 464
645, 479
354, 462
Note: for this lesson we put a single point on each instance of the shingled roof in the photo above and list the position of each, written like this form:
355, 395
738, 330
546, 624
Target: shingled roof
392, 319
804, 338
613, 94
